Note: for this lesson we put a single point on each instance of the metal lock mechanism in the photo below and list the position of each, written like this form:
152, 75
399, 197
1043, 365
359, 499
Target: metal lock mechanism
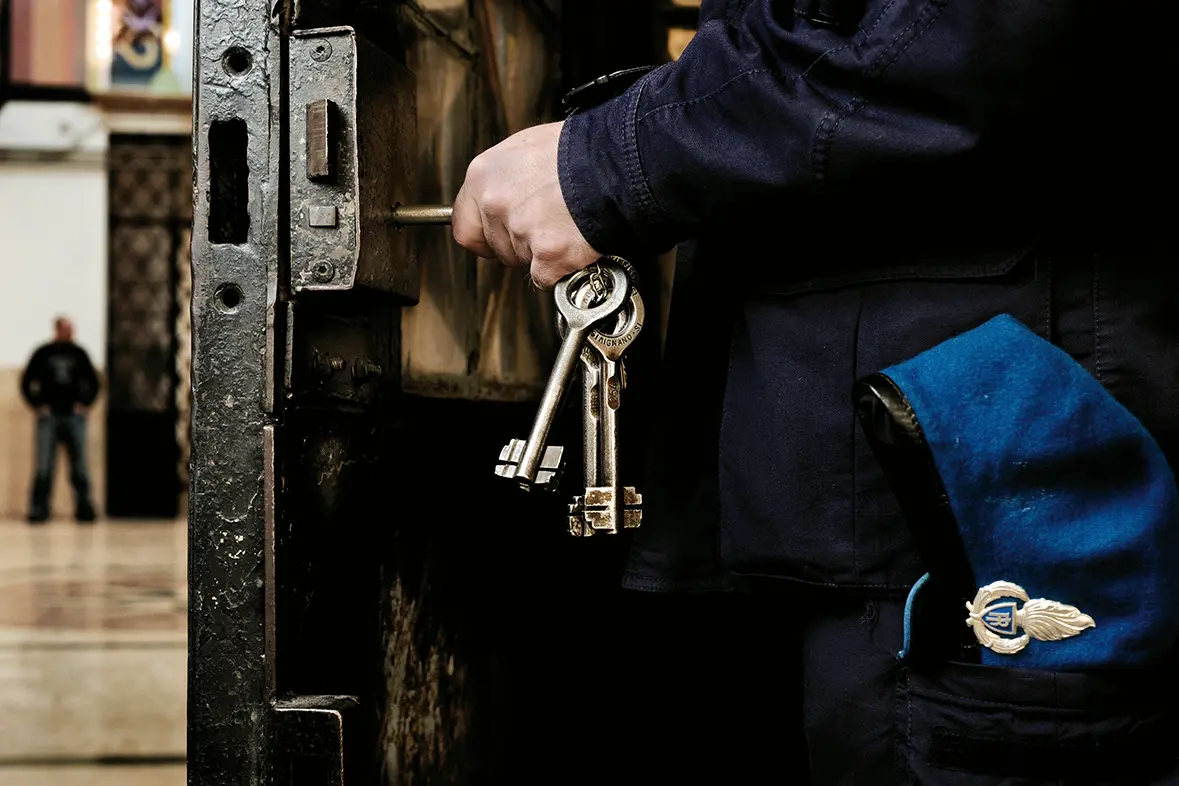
353, 140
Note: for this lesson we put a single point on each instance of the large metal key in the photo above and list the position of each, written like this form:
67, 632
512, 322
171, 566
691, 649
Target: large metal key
522, 459
591, 381
608, 504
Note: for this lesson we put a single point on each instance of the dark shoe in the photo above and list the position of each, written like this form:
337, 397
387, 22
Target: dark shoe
38, 517
86, 515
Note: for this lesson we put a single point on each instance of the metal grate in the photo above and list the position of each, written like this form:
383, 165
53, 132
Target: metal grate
150, 207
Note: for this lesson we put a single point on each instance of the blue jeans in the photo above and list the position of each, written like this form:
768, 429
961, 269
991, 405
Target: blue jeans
52, 430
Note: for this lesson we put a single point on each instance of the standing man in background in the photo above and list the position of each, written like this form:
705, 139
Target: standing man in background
59, 382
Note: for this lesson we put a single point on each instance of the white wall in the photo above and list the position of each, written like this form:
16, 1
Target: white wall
53, 227
181, 13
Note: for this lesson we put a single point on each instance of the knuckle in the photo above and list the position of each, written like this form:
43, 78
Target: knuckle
549, 249
477, 168
494, 202
466, 233
462, 235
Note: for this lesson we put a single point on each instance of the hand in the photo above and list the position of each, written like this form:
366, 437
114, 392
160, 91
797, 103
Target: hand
43, 411
81, 409
511, 208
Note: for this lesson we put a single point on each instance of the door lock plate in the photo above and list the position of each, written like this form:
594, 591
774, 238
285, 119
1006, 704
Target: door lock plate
353, 123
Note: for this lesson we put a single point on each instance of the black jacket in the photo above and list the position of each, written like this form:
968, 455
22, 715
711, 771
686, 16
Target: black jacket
59, 375
853, 194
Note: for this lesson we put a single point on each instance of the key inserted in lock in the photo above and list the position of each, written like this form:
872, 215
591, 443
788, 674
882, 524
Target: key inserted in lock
586, 302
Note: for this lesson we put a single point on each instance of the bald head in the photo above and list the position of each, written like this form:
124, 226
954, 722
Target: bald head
63, 329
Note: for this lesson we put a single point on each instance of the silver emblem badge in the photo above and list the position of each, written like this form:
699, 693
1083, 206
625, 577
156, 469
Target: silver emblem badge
996, 619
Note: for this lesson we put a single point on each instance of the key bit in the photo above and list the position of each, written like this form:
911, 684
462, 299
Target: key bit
632, 508
548, 474
585, 522
578, 527
598, 511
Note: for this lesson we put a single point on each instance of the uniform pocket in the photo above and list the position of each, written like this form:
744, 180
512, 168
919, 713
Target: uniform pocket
965, 725
803, 497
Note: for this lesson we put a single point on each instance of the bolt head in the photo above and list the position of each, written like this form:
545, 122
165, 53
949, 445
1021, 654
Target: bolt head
323, 272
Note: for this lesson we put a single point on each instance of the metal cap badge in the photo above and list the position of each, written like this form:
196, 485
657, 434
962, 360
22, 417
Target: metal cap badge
996, 618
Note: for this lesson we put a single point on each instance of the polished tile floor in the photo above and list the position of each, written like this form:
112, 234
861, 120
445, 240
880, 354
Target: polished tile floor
92, 653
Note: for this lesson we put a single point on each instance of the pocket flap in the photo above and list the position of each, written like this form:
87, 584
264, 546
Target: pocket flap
877, 268
963, 723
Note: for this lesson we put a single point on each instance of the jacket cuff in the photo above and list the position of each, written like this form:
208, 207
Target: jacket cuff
602, 179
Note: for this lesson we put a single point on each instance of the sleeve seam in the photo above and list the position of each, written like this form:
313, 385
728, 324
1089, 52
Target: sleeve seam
634, 164
574, 199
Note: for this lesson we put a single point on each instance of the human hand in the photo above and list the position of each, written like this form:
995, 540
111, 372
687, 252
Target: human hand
81, 409
510, 207
43, 411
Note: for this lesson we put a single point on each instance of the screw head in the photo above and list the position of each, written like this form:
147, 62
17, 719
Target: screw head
321, 51
323, 272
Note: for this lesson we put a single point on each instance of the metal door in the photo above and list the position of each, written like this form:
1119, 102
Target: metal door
365, 598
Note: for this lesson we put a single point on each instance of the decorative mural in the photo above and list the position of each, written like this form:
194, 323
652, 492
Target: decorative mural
138, 28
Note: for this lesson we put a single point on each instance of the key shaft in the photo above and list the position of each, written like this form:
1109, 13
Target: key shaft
421, 215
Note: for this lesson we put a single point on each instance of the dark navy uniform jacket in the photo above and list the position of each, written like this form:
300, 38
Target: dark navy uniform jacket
856, 190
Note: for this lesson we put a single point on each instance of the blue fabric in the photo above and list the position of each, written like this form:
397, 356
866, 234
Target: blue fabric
1056, 487
908, 623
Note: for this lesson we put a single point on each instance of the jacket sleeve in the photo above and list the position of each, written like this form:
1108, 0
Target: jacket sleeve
766, 105
87, 380
30, 380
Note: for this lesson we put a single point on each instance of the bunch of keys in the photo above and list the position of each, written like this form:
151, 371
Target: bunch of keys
606, 505
600, 314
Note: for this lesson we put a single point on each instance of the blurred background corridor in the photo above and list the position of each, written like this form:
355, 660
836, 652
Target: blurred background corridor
95, 208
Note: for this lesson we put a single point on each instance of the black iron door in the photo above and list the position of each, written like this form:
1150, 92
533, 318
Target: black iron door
369, 604
150, 214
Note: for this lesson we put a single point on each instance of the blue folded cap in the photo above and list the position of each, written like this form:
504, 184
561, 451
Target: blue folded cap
1066, 507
